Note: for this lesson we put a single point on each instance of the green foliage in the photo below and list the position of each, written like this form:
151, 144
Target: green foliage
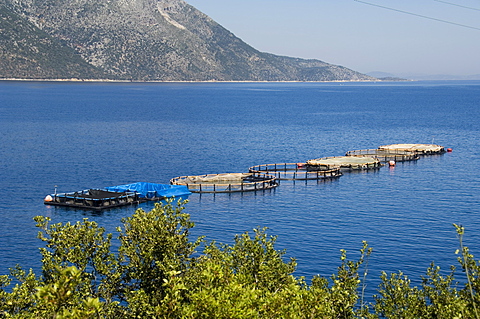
439, 296
157, 272
238, 281
399, 299
84, 246
62, 298
155, 249
344, 294
472, 271
22, 297
155, 246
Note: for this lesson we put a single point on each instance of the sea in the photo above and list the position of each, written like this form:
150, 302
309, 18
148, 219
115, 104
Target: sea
70, 136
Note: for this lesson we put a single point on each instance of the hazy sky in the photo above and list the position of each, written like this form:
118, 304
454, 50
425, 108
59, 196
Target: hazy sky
360, 35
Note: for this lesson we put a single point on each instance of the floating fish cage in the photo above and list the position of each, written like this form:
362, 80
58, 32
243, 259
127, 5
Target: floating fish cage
296, 171
386, 155
95, 199
226, 182
344, 163
115, 196
420, 149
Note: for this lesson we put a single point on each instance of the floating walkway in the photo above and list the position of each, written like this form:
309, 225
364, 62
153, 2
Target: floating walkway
420, 149
226, 182
386, 155
116, 196
344, 163
295, 171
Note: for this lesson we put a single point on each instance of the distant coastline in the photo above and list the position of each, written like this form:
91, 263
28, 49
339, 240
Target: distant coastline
178, 81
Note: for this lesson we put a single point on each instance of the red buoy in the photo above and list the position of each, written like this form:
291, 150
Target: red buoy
449, 150
391, 163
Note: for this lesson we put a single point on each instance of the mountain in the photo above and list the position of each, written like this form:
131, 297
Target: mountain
139, 40
28, 52
383, 76
443, 77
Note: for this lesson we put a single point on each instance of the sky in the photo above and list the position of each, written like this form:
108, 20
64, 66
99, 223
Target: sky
400, 37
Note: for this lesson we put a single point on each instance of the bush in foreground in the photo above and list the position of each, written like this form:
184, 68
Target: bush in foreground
157, 272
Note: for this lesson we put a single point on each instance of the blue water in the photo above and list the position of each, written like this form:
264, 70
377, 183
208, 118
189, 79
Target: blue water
85, 135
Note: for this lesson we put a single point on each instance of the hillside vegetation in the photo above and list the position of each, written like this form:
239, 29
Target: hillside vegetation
140, 40
28, 52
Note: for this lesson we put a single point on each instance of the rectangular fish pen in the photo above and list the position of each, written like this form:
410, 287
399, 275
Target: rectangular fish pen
96, 199
115, 196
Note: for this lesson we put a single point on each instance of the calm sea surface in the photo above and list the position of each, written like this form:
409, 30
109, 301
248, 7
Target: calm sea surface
89, 135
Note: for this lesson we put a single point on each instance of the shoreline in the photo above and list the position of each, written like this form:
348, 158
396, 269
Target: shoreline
75, 80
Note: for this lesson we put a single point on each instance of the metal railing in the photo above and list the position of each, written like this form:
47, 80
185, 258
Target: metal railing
83, 199
386, 155
295, 171
204, 183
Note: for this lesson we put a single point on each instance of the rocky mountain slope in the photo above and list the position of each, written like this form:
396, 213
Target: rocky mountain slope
28, 52
140, 40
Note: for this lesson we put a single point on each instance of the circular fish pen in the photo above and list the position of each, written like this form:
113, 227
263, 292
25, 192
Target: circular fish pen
386, 155
226, 182
344, 163
295, 171
420, 149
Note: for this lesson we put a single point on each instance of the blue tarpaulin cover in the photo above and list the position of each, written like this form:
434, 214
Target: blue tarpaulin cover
152, 190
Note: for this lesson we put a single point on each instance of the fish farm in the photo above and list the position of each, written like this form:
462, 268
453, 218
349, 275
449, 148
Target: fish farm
258, 178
